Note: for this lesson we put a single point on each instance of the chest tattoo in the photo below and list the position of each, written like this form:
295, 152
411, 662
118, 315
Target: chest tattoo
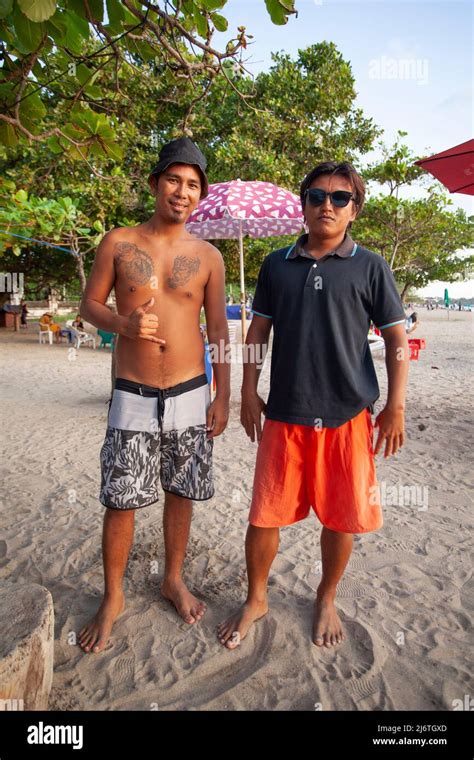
136, 264
184, 267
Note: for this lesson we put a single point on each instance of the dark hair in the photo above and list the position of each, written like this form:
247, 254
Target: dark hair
345, 169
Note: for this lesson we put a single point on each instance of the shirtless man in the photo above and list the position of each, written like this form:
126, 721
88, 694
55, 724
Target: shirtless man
160, 405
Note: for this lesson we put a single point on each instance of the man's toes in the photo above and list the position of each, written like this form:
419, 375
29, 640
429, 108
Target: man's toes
225, 634
85, 640
98, 646
233, 641
319, 640
327, 640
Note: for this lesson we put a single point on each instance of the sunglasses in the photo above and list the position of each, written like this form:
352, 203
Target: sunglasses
338, 198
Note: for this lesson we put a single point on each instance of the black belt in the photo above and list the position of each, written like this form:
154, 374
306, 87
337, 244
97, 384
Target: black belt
149, 390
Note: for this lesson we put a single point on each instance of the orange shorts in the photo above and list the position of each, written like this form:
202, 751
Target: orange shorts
329, 469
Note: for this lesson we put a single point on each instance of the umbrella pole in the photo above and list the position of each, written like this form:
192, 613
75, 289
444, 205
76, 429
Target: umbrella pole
243, 316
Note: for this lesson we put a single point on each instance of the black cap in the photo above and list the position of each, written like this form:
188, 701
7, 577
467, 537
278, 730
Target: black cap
183, 151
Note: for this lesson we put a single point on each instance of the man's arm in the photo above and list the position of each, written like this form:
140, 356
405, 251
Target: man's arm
100, 283
255, 351
218, 336
138, 324
391, 420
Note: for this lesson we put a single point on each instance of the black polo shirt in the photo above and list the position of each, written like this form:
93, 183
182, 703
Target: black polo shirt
322, 373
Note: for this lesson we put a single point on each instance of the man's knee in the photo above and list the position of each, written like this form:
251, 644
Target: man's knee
119, 514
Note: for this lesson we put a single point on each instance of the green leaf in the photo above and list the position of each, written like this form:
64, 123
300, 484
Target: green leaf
33, 108
21, 196
279, 10
54, 144
28, 33
8, 135
114, 150
85, 74
115, 11
201, 23
211, 5
93, 91
76, 28
219, 22
65, 202
38, 10
98, 226
96, 8
5, 7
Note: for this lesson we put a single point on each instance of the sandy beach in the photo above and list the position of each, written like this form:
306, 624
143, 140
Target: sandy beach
406, 599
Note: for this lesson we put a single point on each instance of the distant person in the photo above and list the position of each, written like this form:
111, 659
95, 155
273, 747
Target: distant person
47, 320
411, 322
24, 313
78, 324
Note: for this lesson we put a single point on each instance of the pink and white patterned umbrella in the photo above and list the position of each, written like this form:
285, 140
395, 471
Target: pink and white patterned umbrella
236, 208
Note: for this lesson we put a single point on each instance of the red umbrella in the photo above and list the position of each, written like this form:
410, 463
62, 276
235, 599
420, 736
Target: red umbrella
453, 167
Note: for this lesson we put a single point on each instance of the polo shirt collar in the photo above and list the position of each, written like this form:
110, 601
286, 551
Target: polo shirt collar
346, 249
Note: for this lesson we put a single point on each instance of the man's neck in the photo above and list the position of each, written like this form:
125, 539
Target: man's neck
159, 228
319, 247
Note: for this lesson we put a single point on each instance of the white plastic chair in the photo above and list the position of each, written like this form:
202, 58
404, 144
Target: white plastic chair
81, 338
376, 343
45, 332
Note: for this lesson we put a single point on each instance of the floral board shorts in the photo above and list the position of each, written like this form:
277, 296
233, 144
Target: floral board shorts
156, 436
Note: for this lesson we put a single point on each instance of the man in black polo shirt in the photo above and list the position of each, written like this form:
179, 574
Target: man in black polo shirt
316, 447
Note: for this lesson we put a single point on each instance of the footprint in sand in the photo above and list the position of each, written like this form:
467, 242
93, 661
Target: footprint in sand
467, 594
221, 670
358, 666
188, 653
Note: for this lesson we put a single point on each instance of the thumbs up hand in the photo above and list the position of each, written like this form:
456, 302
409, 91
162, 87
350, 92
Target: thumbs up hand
140, 324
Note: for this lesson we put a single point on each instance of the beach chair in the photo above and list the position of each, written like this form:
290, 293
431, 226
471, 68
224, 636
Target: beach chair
106, 338
82, 338
45, 334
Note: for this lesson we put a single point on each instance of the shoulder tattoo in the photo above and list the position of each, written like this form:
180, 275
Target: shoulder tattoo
135, 262
184, 267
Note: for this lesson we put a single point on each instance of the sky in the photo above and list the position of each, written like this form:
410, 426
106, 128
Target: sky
433, 104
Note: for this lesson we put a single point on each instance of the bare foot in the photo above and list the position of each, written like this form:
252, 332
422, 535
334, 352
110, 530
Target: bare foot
327, 627
235, 628
94, 636
190, 608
